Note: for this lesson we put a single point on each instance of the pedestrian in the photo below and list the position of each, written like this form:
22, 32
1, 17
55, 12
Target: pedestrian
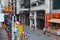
44, 31
33, 26
58, 32
16, 28
16, 33
16, 24
20, 31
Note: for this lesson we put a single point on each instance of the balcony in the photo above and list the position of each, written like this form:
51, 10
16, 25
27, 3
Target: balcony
32, 1
21, 2
41, 3
33, 5
42, 7
37, 3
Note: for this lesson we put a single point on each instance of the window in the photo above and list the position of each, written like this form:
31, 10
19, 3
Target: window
34, 4
56, 4
41, 2
32, 13
41, 14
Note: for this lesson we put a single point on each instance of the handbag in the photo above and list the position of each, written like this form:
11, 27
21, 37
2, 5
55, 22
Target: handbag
4, 26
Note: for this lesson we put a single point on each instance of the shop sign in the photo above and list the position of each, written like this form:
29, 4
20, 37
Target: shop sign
41, 17
1, 17
8, 9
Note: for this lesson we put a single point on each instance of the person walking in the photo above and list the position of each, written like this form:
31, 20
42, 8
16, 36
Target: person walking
16, 24
33, 26
44, 31
20, 32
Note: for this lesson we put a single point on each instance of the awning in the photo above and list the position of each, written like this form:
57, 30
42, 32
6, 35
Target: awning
54, 20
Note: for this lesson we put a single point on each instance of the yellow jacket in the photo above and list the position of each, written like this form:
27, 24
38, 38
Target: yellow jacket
14, 25
20, 28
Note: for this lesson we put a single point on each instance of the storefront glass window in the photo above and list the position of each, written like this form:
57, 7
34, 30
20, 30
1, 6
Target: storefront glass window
34, 4
41, 2
55, 26
33, 14
56, 4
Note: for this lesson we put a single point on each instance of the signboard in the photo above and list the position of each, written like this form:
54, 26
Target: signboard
8, 10
1, 17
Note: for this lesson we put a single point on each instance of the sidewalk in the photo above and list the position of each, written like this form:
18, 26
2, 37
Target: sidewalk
3, 34
47, 34
51, 35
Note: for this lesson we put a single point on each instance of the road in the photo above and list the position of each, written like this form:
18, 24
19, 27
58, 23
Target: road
36, 35
3, 34
33, 34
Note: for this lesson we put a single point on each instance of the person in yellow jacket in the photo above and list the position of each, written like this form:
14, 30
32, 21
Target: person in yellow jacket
20, 32
16, 24
20, 29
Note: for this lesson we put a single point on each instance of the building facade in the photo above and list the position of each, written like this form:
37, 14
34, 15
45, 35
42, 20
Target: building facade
37, 9
43, 10
23, 11
37, 12
40, 12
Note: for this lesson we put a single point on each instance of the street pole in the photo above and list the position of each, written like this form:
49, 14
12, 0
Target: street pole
13, 20
12, 28
50, 12
13, 17
0, 22
0, 12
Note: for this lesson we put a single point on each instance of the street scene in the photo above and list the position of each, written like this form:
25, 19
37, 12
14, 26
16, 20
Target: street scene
33, 35
29, 19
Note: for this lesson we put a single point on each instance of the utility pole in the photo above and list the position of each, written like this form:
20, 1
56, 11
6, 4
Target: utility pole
0, 11
13, 37
50, 12
13, 16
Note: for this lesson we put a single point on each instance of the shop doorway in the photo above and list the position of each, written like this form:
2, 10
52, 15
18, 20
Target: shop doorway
38, 23
42, 24
41, 19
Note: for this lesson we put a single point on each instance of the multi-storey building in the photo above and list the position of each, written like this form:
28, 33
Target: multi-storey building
37, 8
41, 13
43, 10
23, 11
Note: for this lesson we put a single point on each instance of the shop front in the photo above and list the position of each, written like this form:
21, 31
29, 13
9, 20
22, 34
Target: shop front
32, 18
40, 19
24, 18
55, 29
27, 19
